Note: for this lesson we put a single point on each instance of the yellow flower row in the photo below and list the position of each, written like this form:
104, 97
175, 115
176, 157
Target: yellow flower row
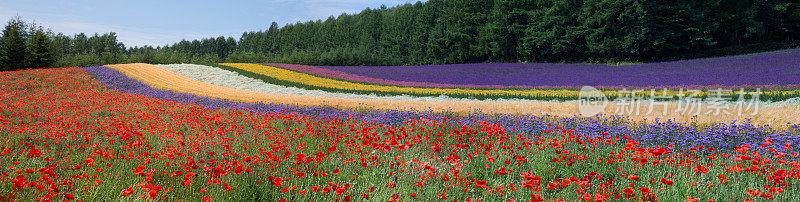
322, 82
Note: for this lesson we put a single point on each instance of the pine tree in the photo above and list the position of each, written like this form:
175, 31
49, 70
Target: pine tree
39, 48
12, 45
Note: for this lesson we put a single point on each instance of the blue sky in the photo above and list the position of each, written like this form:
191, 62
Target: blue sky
162, 22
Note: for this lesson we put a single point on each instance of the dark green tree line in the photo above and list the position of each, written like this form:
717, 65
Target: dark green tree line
461, 31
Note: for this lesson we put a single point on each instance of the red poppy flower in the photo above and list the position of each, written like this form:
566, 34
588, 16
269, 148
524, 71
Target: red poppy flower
767, 195
481, 184
126, 192
633, 177
628, 192
501, 171
666, 181
700, 169
536, 198
753, 192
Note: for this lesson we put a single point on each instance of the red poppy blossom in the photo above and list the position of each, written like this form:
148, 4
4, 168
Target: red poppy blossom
481, 184
666, 181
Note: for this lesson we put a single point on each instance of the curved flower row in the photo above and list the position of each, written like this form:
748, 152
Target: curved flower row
317, 82
777, 68
68, 139
340, 85
331, 72
723, 136
115, 80
358, 78
230, 79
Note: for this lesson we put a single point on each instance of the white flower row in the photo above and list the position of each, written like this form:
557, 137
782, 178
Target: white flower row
229, 79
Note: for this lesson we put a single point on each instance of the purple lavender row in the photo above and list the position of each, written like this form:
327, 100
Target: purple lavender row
779, 69
357, 78
113, 79
350, 77
721, 136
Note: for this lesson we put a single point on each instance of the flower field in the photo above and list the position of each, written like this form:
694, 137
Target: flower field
334, 81
434, 100
544, 81
97, 133
280, 132
300, 79
745, 71
304, 79
163, 79
231, 79
167, 80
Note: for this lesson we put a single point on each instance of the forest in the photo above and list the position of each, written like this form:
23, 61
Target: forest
450, 32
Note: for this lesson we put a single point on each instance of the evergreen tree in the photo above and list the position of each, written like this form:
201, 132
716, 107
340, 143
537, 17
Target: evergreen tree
556, 34
421, 33
12, 46
504, 29
40, 49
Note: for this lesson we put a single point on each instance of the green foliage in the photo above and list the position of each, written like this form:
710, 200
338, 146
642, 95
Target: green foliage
170, 57
40, 49
220, 46
81, 60
204, 58
439, 31
553, 37
246, 57
12, 46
